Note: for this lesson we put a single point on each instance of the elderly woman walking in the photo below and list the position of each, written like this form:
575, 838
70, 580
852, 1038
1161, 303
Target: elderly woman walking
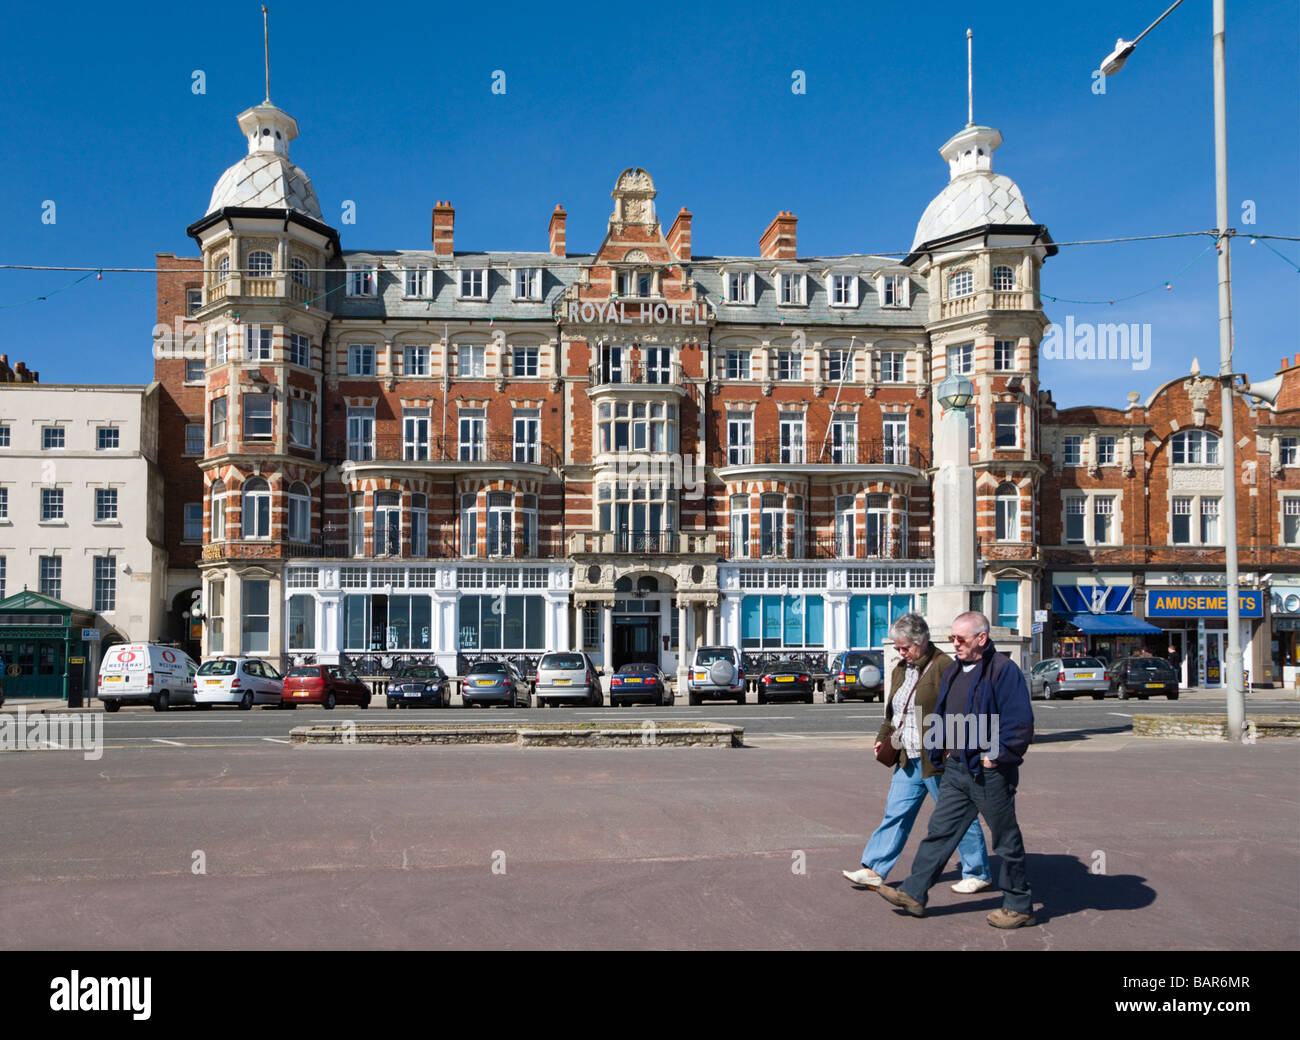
914, 686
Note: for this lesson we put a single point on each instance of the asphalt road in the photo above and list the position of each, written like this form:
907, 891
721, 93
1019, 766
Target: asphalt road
222, 726
1135, 846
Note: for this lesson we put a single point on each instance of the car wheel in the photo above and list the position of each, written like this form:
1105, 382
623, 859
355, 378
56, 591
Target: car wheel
1121, 691
1143, 696
392, 705
329, 701
1098, 696
163, 702
693, 699
246, 701
1048, 693
1173, 696
112, 706
365, 700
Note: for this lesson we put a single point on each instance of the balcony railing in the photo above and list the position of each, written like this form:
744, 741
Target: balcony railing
391, 448
771, 451
548, 543
648, 543
636, 373
788, 547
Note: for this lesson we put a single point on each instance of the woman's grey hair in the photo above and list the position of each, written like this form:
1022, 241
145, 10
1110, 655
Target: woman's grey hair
910, 628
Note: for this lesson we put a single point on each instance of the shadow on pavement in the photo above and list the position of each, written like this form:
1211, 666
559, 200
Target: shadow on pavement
1080, 734
1062, 885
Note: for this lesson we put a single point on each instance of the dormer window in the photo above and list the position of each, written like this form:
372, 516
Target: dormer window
635, 284
473, 283
1004, 278
843, 290
894, 290
362, 280
527, 283
416, 280
793, 288
961, 283
740, 287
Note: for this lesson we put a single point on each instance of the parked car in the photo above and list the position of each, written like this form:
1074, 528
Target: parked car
716, 673
324, 684
419, 686
856, 675
242, 681
146, 673
494, 682
567, 677
1140, 677
785, 680
1063, 677
638, 682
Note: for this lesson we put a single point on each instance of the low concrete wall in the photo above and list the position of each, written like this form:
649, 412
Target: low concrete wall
1212, 727
627, 735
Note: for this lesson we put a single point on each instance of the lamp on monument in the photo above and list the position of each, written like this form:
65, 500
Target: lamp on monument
956, 391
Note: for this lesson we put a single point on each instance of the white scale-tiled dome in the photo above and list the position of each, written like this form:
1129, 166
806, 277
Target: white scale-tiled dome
975, 195
265, 178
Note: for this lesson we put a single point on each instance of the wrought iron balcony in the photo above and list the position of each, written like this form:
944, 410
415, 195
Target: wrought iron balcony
444, 452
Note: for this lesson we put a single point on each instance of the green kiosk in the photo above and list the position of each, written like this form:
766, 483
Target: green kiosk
44, 646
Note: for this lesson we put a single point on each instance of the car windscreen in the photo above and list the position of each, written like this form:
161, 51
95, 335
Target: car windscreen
787, 667
707, 657
1081, 662
1151, 664
562, 661
494, 667
217, 668
420, 672
852, 662
637, 669
304, 672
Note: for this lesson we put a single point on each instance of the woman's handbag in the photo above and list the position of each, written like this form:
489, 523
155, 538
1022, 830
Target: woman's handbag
887, 753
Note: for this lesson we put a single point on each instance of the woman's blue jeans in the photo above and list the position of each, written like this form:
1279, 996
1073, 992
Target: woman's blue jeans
906, 793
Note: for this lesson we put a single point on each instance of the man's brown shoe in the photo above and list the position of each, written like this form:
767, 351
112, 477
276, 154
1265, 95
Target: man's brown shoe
901, 899
1004, 918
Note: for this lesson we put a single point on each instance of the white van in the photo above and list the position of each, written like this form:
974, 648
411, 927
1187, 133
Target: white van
146, 673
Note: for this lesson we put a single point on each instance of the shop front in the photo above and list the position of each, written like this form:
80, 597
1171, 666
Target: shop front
48, 648
1194, 621
1094, 620
1284, 644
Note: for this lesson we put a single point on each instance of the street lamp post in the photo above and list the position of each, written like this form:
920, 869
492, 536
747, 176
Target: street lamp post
1112, 64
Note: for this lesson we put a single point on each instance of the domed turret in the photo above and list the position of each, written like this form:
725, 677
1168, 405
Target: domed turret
975, 195
265, 178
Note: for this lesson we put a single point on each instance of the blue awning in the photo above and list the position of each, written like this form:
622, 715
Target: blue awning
1112, 624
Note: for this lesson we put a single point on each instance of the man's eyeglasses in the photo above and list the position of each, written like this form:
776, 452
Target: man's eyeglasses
966, 639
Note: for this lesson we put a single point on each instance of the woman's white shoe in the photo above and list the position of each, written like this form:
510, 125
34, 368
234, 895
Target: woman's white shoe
969, 886
865, 876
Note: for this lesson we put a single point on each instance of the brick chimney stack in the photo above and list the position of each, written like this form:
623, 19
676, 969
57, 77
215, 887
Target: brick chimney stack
444, 220
679, 235
555, 229
778, 241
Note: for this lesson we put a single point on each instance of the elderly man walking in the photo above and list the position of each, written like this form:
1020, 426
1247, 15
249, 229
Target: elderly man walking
914, 691
988, 723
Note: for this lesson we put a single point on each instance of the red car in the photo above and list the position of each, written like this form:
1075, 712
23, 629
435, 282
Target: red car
324, 684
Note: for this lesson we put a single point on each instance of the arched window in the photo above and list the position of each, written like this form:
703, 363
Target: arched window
419, 525
500, 506
641, 516
739, 527
1007, 510
298, 271
772, 525
876, 534
259, 264
469, 525
357, 523
257, 508
1004, 278
1195, 448
223, 270
299, 513
218, 523
961, 283
388, 523
844, 517
526, 523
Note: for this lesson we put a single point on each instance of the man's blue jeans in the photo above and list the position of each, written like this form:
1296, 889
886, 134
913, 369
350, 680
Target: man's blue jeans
963, 798
906, 793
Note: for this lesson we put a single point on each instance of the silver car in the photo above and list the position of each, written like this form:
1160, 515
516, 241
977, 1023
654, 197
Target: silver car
716, 673
1063, 677
567, 676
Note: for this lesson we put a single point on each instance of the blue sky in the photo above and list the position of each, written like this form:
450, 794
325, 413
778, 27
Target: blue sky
396, 111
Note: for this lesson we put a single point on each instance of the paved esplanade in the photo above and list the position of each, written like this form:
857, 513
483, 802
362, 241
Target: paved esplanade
1133, 844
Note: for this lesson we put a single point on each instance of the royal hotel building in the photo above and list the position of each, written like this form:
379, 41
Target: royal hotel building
442, 453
